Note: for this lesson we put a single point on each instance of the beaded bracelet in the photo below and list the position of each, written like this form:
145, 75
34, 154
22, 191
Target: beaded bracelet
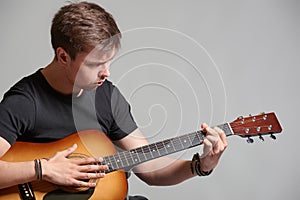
195, 166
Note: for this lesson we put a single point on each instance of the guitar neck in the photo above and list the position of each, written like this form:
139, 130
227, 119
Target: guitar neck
128, 159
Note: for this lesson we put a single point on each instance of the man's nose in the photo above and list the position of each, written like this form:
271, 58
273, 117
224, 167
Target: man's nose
104, 72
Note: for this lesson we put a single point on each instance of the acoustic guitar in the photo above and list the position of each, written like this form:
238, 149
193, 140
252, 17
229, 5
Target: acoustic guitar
114, 185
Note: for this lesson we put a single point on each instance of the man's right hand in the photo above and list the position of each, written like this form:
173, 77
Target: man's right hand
72, 172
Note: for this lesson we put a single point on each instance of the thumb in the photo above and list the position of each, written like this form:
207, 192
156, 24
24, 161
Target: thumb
69, 150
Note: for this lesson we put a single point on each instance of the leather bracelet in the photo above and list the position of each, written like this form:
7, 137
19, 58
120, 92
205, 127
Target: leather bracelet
38, 169
196, 168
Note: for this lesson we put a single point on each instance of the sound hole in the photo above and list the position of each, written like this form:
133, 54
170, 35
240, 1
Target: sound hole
77, 189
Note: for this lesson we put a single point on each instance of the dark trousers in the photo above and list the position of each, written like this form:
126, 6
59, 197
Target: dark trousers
137, 197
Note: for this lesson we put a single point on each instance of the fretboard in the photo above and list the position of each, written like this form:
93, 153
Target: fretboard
128, 159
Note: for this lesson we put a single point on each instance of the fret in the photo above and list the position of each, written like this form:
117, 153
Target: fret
157, 150
106, 162
129, 159
147, 152
124, 159
189, 138
196, 138
178, 144
226, 128
185, 142
162, 148
168, 147
200, 136
140, 150
182, 144
135, 156
172, 145
154, 151
111, 163
119, 161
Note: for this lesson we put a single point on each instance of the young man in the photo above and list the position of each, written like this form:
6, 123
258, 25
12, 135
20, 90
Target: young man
72, 94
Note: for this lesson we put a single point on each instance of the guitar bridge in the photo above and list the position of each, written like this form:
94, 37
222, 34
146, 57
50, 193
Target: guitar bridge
26, 192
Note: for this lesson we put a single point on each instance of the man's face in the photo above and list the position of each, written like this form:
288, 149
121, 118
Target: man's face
89, 70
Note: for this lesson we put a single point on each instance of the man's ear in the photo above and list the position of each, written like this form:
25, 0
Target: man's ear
62, 56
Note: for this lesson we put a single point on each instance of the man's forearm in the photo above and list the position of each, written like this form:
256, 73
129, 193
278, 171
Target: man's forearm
164, 171
14, 173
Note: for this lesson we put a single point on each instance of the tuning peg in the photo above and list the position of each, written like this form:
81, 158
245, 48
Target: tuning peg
273, 137
261, 138
250, 140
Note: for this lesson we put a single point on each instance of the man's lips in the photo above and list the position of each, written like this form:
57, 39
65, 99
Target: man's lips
100, 82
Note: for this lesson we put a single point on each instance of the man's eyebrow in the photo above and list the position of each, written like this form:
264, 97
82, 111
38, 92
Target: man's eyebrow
97, 62
89, 62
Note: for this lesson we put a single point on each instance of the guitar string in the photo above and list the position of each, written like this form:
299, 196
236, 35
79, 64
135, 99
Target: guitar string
177, 145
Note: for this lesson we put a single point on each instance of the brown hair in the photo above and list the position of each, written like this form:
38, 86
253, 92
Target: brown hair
81, 26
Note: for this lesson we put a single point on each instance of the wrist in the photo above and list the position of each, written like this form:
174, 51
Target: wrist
44, 168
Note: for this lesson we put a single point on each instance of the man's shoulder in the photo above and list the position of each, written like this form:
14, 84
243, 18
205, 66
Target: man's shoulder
27, 81
26, 86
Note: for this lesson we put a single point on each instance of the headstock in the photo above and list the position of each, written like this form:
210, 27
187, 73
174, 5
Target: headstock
258, 125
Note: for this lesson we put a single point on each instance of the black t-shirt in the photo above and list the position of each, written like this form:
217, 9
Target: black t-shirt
33, 111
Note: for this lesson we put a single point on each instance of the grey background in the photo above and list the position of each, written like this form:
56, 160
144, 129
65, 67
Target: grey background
206, 61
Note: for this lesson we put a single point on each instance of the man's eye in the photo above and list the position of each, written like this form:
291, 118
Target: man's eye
93, 64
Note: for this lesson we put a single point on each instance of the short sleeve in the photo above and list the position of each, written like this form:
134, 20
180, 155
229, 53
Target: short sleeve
16, 116
121, 110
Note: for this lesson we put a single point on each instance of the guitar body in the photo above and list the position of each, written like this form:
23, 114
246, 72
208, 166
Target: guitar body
91, 143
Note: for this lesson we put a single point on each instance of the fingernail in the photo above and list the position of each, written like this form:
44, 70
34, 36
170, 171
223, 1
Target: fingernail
93, 184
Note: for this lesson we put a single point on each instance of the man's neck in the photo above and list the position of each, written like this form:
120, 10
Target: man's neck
58, 80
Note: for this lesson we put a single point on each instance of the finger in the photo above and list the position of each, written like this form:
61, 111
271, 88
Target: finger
204, 126
212, 131
92, 163
212, 139
222, 142
215, 140
86, 176
223, 138
88, 160
92, 168
78, 183
206, 148
214, 136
